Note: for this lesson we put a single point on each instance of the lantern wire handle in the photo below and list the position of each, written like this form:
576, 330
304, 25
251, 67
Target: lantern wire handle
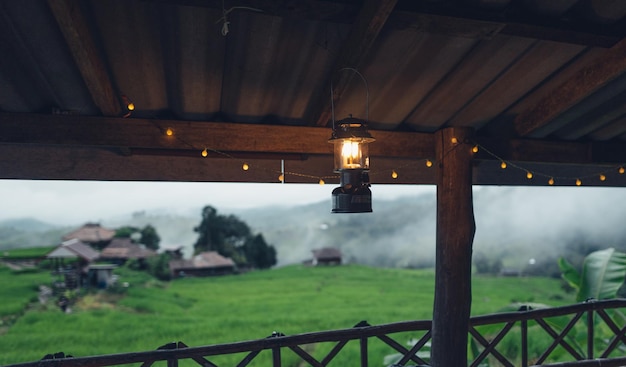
367, 96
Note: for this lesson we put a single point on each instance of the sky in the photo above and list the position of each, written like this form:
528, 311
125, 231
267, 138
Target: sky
70, 202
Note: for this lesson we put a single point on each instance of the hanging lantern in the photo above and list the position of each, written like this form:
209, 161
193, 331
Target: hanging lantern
351, 138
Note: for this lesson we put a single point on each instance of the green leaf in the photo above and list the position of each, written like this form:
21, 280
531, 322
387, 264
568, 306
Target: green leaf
569, 273
603, 274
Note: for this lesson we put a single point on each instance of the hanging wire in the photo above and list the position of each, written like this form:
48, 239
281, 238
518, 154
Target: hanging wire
225, 25
367, 96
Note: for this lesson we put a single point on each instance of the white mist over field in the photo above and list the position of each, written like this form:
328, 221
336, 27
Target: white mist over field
71, 202
520, 224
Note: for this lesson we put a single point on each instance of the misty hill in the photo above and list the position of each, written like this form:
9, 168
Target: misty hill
27, 224
512, 224
28, 232
381, 238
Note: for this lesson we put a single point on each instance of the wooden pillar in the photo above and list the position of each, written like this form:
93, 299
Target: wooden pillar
455, 234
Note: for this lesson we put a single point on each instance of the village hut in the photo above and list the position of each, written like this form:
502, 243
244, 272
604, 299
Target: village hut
92, 234
78, 256
120, 250
74, 249
327, 256
204, 264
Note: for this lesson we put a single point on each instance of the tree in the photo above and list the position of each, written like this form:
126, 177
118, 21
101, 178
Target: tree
150, 237
158, 266
125, 232
258, 253
231, 237
146, 236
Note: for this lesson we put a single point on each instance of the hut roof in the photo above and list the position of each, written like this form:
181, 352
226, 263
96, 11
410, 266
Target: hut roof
91, 233
124, 248
326, 253
211, 259
204, 260
73, 248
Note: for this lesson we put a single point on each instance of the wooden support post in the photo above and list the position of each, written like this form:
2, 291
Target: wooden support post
455, 234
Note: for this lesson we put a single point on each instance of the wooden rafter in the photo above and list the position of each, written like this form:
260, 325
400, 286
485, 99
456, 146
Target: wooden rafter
146, 137
586, 81
363, 33
74, 27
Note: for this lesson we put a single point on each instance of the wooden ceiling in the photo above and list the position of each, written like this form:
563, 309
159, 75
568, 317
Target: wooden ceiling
542, 83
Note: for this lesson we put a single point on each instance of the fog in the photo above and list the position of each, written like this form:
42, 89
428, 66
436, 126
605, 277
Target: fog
513, 223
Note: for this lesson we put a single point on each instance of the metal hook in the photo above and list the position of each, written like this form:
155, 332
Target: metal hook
367, 96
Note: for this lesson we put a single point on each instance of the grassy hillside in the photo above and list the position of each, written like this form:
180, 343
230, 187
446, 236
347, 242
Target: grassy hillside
204, 311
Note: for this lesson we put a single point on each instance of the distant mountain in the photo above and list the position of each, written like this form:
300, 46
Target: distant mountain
27, 224
29, 232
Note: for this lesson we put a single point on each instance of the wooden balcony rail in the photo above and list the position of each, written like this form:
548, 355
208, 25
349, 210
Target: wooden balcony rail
589, 334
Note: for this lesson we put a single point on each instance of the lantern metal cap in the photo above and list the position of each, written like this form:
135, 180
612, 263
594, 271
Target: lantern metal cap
351, 127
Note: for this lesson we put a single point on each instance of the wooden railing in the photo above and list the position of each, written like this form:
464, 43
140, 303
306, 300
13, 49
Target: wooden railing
590, 334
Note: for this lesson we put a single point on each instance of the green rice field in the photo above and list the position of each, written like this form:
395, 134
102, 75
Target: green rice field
204, 311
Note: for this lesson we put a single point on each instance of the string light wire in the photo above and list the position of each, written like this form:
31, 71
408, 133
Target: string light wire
531, 174
578, 180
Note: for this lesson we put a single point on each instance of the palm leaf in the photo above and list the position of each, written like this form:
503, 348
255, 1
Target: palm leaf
603, 274
569, 273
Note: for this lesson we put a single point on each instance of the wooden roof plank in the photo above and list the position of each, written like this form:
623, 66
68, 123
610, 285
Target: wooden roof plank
587, 80
482, 65
525, 72
74, 27
364, 32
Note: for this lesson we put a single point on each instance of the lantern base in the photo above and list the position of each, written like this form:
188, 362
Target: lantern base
354, 194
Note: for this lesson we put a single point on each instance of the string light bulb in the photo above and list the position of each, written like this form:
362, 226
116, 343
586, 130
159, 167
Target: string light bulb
205, 153
281, 178
602, 177
551, 181
621, 170
169, 132
529, 175
578, 182
429, 163
454, 140
394, 174
130, 106
475, 149
245, 167
503, 165
322, 182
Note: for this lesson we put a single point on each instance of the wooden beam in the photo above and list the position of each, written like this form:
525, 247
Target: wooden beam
453, 261
39, 162
75, 29
147, 136
35, 162
586, 81
104, 132
363, 33
83, 163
